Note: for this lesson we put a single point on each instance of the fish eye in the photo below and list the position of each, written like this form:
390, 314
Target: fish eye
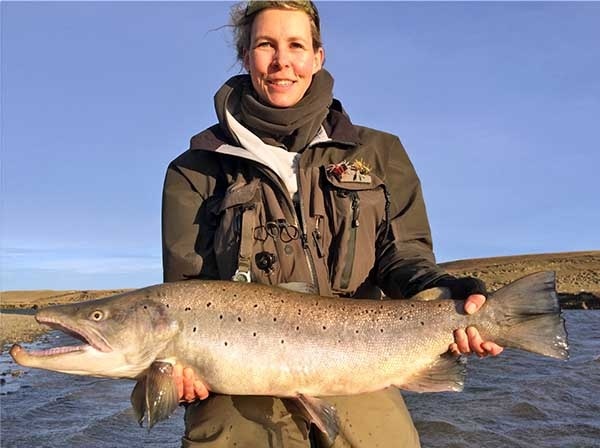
97, 315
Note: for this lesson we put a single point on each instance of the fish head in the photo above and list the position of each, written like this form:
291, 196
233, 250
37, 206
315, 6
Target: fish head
122, 335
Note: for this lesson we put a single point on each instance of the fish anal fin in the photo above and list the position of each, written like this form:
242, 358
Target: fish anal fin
446, 374
437, 293
161, 396
320, 413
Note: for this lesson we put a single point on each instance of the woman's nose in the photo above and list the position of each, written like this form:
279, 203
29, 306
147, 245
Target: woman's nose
281, 58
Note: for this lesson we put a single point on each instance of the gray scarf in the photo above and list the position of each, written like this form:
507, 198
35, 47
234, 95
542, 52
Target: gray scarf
294, 127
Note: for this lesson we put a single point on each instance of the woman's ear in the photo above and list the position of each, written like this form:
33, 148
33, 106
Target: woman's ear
318, 60
246, 61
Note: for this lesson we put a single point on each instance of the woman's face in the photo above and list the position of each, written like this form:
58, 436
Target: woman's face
281, 59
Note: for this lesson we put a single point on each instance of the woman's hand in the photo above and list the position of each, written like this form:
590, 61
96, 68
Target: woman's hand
467, 341
188, 387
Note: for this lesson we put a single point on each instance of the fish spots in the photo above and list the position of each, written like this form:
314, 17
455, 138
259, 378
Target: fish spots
194, 330
239, 319
356, 331
381, 330
255, 305
324, 327
297, 328
422, 323
209, 304
225, 343
167, 305
282, 341
274, 319
220, 317
145, 307
254, 334
187, 308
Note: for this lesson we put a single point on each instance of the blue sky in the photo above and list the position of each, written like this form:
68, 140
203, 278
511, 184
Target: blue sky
496, 103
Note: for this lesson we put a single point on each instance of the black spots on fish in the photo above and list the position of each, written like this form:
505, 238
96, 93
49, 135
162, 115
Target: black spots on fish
209, 304
439, 305
401, 317
220, 317
194, 330
381, 330
274, 319
297, 328
167, 305
282, 341
282, 301
255, 305
299, 311
235, 296
412, 305
254, 334
422, 323
324, 327
239, 319
187, 308
356, 331
145, 307
225, 343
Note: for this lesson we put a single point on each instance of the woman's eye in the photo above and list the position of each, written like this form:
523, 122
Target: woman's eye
297, 45
263, 44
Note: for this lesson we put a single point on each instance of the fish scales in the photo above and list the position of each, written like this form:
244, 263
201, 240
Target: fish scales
250, 343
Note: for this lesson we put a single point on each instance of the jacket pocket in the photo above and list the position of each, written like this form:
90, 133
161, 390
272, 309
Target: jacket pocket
236, 215
356, 212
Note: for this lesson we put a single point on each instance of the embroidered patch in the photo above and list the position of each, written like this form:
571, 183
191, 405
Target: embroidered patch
357, 171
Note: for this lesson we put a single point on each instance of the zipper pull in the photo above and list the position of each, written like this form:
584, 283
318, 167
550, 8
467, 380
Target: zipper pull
317, 237
355, 209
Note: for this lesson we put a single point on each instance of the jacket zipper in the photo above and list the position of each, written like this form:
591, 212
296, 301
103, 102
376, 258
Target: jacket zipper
347, 272
304, 238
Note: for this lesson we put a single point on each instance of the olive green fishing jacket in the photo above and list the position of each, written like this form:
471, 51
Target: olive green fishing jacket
358, 225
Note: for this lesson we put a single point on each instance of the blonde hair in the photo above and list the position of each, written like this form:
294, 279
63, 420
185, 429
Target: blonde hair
242, 17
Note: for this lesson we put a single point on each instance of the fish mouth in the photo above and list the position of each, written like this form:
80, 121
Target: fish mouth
91, 338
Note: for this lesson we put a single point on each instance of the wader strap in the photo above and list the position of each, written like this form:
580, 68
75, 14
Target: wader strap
242, 274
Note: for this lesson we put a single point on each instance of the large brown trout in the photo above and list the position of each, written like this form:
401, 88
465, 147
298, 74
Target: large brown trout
251, 339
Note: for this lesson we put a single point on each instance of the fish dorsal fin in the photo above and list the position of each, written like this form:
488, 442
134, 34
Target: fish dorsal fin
303, 287
437, 293
446, 374
319, 412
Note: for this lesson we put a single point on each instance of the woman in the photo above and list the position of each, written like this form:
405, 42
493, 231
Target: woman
285, 188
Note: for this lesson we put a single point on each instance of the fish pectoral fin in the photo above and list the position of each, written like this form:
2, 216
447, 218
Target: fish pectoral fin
446, 374
319, 412
437, 293
138, 400
161, 397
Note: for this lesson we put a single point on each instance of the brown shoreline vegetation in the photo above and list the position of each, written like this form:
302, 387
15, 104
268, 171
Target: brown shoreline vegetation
577, 281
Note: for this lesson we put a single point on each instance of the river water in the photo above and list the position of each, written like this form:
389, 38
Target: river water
515, 400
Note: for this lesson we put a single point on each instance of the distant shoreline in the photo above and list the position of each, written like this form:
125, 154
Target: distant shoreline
577, 280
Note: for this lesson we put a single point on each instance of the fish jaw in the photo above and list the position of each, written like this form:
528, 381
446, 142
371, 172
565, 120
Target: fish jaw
95, 357
77, 360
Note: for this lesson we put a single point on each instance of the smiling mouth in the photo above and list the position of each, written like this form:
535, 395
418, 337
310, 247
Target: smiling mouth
281, 82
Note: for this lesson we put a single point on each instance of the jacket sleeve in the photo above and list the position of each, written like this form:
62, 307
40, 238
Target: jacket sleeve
406, 263
187, 225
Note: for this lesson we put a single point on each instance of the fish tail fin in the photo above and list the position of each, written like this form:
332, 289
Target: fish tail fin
531, 318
